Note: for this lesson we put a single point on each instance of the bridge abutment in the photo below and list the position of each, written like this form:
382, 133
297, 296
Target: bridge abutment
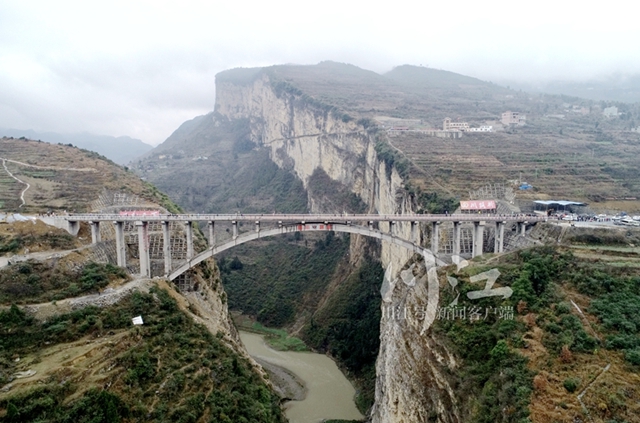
74, 227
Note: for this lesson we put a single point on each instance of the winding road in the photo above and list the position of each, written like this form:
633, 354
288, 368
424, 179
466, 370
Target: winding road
4, 163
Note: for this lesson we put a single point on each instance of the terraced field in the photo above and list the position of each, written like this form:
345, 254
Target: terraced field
9, 191
572, 166
60, 177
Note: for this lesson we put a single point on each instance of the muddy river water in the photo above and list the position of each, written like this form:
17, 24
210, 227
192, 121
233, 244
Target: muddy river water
329, 394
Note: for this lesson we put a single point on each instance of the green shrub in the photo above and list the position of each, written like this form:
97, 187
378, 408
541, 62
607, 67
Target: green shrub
571, 384
633, 356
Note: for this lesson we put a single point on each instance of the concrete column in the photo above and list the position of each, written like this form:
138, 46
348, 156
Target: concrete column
212, 234
435, 238
257, 226
189, 230
478, 238
74, 227
166, 247
121, 248
415, 233
95, 232
234, 224
391, 224
371, 225
499, 238
523, 228
143, 248
456, 238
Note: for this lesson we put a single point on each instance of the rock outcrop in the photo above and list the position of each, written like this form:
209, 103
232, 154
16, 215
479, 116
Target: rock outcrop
304, 136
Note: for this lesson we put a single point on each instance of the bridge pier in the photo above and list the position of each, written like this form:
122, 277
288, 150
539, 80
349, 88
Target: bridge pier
522, 228
166, 247
456, 239
257, 226
189, 231
478, 238
234, 224
391, 230
95, 232
415, 233
435, 238
370, 225
499, 238
212, 234
121, 249
143, 248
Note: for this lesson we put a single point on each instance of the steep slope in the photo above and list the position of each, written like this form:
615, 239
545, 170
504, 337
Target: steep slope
68, 349
60, 177
320, 129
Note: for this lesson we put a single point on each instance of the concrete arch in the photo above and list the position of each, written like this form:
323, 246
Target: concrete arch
430, 259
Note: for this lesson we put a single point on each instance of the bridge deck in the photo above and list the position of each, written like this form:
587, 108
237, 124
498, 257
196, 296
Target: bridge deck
309, 218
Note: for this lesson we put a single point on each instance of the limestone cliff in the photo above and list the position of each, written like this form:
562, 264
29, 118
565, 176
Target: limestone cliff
304, 135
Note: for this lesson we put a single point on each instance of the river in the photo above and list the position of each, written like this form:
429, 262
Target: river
329, 394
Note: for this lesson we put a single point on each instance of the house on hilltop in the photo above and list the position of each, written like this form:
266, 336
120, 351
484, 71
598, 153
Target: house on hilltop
513, 118
455, 126
610, 112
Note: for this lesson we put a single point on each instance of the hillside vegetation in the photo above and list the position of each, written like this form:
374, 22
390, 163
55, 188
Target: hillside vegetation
574, 333
62, 177
88, 363
93, 366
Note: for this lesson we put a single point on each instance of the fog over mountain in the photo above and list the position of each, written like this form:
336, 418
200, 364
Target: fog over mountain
616, 87
118, 149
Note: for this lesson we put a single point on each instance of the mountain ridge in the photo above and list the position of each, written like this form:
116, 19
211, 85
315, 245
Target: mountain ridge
121, 150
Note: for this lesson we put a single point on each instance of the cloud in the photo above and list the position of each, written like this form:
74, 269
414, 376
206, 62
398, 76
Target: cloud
142, 68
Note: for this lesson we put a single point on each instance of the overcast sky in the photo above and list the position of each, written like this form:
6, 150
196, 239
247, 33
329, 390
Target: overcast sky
141, 68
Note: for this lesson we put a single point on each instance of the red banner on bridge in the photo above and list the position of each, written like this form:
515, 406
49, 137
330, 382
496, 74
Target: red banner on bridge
478, 205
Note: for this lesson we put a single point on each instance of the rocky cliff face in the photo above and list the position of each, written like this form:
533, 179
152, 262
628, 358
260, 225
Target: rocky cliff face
304, 136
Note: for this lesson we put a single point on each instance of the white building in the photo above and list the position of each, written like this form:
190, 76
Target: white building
610, 112
455, 126
484, 128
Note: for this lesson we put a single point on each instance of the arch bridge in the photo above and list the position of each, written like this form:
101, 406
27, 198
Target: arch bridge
362, 224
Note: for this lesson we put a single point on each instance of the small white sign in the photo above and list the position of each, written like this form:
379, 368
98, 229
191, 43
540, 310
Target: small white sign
137, 320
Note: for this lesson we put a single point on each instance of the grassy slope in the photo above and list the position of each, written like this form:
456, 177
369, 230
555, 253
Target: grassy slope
539, 362
56, 186
169, 369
